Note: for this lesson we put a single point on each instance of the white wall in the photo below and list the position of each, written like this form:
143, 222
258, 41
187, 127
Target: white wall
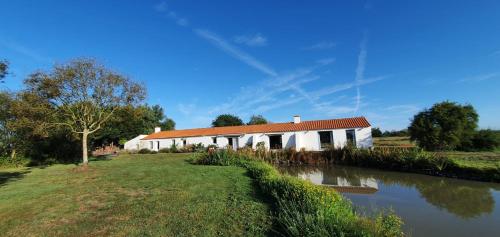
133, 144
309, 140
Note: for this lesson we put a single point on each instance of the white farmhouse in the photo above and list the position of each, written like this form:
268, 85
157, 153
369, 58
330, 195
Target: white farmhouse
309, 135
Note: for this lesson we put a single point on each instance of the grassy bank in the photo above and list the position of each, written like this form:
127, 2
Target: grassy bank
131, 195
302, 208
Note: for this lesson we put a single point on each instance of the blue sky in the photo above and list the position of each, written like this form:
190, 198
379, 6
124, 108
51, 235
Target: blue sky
385, 60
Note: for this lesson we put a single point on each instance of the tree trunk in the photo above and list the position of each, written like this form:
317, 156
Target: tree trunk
84, 147
13, 154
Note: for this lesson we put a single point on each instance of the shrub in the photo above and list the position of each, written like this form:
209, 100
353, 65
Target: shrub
164, 150
173, 148
199, 147
144, 151
211, 147
485, 140
17, 161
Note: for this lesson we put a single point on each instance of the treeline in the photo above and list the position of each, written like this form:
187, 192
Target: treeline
62, 113
376, 132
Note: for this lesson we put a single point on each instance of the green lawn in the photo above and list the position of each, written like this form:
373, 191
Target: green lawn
131, 195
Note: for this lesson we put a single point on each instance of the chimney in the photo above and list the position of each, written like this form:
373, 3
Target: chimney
157, 129
296, 119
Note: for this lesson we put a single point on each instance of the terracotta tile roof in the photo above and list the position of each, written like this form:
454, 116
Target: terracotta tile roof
357, 122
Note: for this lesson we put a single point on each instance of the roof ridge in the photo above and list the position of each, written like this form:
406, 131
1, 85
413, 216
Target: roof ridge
246, 125
338, 123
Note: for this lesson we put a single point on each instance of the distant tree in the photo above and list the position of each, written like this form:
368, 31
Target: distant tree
396, 133
445, 126
167, 124
485, 140
161, 120
376, 132
227, 120
5, 117
257, 119
130, 121
85, 95
4, 65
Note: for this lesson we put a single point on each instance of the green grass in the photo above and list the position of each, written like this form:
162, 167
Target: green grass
483, 159
132, 195
392, 141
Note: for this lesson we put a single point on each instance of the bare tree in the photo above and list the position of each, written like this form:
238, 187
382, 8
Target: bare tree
85, 95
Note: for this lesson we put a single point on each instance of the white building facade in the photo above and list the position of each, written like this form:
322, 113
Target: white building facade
308, 135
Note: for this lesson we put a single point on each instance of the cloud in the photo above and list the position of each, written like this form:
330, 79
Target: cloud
321, 46
346, 86
482, 77
187, 109
326, 61
256, 40
404, 108
360, 69
32, 54
179, 20
235, 52
161, 7
268, 94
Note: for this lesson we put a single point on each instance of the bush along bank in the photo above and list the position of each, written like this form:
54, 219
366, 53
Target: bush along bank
302, 208
414, 160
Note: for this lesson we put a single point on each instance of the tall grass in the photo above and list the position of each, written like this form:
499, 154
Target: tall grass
302, 208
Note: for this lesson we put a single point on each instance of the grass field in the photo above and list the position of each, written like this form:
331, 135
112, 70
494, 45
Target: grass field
392, 141
131, 195
472, 159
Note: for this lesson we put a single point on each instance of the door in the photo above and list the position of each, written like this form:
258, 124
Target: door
275, 142
232, 142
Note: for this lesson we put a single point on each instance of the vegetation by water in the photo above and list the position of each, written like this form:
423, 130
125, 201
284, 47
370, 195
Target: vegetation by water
301, 208
413, 160
132, 195
480, 159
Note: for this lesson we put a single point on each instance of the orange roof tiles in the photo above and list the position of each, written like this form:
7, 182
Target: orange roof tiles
357, 122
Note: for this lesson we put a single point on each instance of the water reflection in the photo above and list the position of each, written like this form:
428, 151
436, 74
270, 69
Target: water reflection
465, 199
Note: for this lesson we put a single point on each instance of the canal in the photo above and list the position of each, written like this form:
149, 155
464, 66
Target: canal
429, 206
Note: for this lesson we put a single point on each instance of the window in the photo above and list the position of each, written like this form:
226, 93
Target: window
158, 145
151, 145
275, 142
214, 140
230, 141
351, 137
325, 139
184, 142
